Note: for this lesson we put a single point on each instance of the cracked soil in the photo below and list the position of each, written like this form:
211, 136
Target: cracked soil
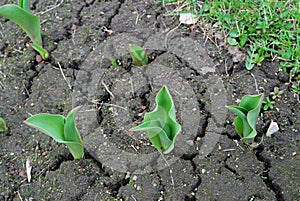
207, 163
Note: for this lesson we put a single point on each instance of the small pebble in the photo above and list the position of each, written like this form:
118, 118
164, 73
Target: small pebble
127, 175
190, 142
38, 58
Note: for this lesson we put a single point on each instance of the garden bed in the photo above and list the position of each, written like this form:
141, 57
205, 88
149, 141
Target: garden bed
208, 162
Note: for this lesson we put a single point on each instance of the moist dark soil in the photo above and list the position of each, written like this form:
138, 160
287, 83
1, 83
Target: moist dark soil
209, 161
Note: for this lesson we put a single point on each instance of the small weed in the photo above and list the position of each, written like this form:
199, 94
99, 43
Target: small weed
138, 55
3, 127
255, 57
276, 93
131, 181
247, 113
296, 87
116, 62
268, 104
161, 123
61, 129
21, 15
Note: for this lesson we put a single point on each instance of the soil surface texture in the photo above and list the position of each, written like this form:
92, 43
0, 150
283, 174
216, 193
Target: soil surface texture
208, 163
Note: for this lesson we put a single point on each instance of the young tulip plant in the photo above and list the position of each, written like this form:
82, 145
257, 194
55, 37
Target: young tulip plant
3, 127
161, 124
247, 113
21, 15
138, 55
61, 129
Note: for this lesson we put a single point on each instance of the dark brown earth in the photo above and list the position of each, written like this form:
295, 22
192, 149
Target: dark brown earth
206, 164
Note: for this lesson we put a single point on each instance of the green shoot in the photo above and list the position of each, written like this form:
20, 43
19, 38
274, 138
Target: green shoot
247, 113
268, 104
21, 15
61, 129
296, 87
255, 58
3, 127
276, 93
116, 62
138, 55
161, 123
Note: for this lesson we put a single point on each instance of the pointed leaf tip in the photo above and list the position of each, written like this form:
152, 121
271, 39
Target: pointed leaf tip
161, 123
138, 55
49, 124
72, 135
61, 129
247, 113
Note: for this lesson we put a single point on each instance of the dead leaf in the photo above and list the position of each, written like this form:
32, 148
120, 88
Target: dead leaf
28, 170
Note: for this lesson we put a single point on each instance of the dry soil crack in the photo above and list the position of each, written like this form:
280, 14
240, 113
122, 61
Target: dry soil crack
265, 175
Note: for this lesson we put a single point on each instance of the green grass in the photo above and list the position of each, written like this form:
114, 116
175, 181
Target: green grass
269, 29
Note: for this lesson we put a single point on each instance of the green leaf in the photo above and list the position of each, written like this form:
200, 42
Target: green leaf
151, 125
253, 104
161, 123
250, 102
42, 51
49, 124
234, 33
238, 123
249, 64
250, 138
247, 113
232, 41
243, 40
3, 127
27, 21
138, 55
61, 129
24, 4
70, 131
241, 124
72, 136
240, 108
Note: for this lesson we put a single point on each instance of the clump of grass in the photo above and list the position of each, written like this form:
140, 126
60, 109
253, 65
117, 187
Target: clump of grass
270, 29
